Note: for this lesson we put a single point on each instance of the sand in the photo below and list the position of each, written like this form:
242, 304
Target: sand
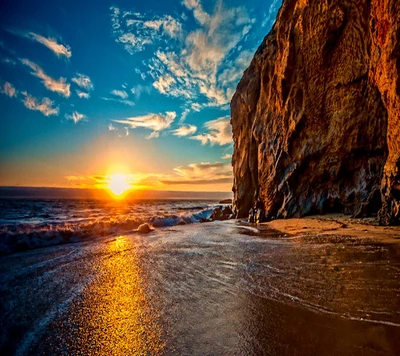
337, 224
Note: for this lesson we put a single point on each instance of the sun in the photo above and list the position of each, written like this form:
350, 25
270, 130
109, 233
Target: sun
118, 184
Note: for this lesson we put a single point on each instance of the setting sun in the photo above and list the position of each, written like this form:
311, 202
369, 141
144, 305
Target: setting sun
118, 184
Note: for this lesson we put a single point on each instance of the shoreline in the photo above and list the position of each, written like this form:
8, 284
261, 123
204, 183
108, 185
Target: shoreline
336, 224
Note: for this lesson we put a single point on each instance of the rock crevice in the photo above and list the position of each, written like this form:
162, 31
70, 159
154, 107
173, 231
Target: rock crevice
316, 116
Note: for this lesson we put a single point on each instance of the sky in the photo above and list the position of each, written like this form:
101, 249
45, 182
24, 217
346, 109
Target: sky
142, 88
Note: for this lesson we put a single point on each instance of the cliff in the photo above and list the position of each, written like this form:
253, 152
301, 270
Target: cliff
316, 116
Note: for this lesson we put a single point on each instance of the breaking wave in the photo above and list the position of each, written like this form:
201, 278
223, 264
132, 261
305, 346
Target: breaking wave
22, 236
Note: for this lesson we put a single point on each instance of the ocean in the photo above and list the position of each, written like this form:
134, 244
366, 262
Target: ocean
31, 223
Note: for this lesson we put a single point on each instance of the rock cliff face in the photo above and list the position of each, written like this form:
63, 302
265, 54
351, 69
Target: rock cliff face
316, 116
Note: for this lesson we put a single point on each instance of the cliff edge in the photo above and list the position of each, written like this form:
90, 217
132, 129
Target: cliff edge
316, 116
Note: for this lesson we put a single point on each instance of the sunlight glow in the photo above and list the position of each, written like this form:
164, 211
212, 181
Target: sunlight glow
119, 183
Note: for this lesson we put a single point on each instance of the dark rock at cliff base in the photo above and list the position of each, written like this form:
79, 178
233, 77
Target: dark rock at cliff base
316, 116
222, 213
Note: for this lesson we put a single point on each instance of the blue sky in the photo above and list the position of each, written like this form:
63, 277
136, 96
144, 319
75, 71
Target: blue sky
93, 88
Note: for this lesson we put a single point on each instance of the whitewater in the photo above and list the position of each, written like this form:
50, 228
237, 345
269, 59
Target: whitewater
31, 223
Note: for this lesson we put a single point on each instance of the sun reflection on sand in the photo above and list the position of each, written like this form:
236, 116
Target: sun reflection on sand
117, 316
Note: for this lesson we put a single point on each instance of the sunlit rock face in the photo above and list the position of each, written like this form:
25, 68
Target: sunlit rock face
316, 116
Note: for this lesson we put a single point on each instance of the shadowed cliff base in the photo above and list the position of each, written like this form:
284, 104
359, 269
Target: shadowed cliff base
316, 116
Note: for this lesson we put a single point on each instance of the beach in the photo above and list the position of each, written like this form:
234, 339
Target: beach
220, 288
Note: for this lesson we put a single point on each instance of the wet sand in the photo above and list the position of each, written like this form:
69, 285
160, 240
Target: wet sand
222, 288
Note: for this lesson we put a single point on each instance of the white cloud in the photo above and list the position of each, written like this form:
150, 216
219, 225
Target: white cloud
111, 127
83, 81
8, 89
184, 115
59, 86
200, 15
75, 117
45, 106
154, 122
139, 89
121, 93
270, 18
227, 156
190, 68
135, 32
123, 101
51, 43
219, 132
82, 94
185, 130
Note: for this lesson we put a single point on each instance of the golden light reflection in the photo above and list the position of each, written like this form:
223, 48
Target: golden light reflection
123, 319
119, 184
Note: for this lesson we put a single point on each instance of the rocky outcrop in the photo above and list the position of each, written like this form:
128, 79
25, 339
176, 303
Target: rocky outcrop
316, 116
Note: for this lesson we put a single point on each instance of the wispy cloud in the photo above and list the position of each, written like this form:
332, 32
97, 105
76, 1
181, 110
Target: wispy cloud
219, 132
204, 173
51, 43
75, 117
154, 122
201, 173
269, 18
83, 81
9, 61
190, 68
122, 101
227, 156
45, 106
121, 93
185, 130
82, 94
139, 89
111, 127
8, 89
59, 86
135, 32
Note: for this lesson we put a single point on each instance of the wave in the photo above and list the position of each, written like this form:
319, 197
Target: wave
27, 236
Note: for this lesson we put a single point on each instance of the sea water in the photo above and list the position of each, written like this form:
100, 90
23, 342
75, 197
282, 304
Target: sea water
30, 223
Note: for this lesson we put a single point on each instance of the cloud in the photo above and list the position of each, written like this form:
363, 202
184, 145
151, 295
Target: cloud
200, 15
82, 94
154, 122
270, 18
123, 101
83, 81
111, 127
9, 61
45, 106
51, 43
204, 173
219, 132
121, 93
59, 86
75, 117
185, 130
139, 89
135, 32
201, 173
8, 89
227, 156
191, 71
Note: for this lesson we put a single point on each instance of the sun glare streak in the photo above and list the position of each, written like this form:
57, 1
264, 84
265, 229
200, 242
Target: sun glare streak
118, 184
